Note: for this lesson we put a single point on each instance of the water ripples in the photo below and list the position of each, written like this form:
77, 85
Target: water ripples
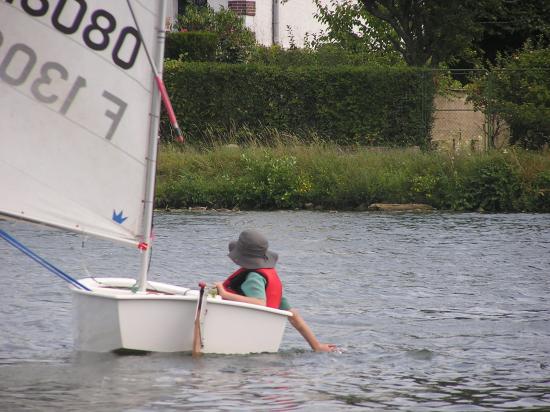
432, 312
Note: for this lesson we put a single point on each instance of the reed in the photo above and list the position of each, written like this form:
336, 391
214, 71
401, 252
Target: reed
288, 174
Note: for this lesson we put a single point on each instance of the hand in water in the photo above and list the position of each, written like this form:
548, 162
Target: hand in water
327, 347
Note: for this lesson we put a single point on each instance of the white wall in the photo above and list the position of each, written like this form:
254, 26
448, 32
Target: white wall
262, 23
171, 13
216, 4
299, 15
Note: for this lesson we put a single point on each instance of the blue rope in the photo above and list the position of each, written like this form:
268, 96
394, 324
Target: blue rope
12, 241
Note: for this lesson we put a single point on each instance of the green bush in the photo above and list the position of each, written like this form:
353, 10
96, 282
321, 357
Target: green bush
235, 41
191, 46
491, 184
345, 104
518, 90
540, 192
325, 55
268, 182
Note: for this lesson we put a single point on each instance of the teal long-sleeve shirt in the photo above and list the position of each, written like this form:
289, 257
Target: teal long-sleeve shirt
254, 287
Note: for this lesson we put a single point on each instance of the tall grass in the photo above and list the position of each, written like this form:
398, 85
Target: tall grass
289, 174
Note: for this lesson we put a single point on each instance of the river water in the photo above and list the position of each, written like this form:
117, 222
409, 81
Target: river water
431, 312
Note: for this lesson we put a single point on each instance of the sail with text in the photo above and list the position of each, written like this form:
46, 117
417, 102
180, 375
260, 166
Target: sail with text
76, 114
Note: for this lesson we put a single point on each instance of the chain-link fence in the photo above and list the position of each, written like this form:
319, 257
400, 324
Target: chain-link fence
473, 117
457, 125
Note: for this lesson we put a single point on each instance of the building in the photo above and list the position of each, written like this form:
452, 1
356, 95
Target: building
285, 22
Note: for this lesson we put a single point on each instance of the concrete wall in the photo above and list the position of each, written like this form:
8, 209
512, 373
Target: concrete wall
458, 127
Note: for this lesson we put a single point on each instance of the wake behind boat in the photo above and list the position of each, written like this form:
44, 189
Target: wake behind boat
80, 96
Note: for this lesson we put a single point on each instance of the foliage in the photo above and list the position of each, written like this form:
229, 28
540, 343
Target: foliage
324, 176
346, 104
351, 27
424, 33
491, 185
321, 55
269, 181
453, 33
510, 24
235, 41
539, 194
191, 46
518, 90
260, 177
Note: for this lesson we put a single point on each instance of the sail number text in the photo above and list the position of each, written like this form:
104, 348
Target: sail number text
17, 64
99, 27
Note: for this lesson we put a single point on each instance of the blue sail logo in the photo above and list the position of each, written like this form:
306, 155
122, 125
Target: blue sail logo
118, 217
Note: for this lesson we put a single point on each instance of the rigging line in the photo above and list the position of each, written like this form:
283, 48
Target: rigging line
159, 81
22, 248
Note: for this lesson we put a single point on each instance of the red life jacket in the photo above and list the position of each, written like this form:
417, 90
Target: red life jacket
273, 287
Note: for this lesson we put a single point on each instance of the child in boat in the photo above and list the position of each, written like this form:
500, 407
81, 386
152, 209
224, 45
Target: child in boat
257, 282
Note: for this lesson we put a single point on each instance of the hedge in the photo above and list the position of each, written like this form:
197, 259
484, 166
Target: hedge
388, 106
191, 46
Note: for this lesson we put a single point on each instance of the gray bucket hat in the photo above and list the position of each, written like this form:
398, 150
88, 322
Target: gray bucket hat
250, 251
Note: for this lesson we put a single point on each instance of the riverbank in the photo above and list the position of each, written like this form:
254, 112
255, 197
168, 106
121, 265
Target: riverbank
327, 177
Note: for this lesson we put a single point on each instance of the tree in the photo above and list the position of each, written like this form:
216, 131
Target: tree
183, 4
508, 26
518, 91
424, 32
458, 33
431, 32
351, 27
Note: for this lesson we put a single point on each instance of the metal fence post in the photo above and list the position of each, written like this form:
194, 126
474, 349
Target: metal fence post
489, 115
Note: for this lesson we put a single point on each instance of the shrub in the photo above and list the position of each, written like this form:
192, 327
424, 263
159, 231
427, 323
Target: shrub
518, 90
325, 55
540, 192
348, 105
191, 46
491, 184
268, 181
235, 41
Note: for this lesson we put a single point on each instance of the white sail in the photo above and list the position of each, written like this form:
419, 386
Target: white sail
75, 113
79, 113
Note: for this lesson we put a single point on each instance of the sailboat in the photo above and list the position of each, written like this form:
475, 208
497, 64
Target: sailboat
80, 97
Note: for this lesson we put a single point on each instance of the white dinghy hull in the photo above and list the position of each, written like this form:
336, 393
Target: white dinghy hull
111, 317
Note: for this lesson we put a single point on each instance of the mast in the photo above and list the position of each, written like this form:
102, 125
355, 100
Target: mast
152, 153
